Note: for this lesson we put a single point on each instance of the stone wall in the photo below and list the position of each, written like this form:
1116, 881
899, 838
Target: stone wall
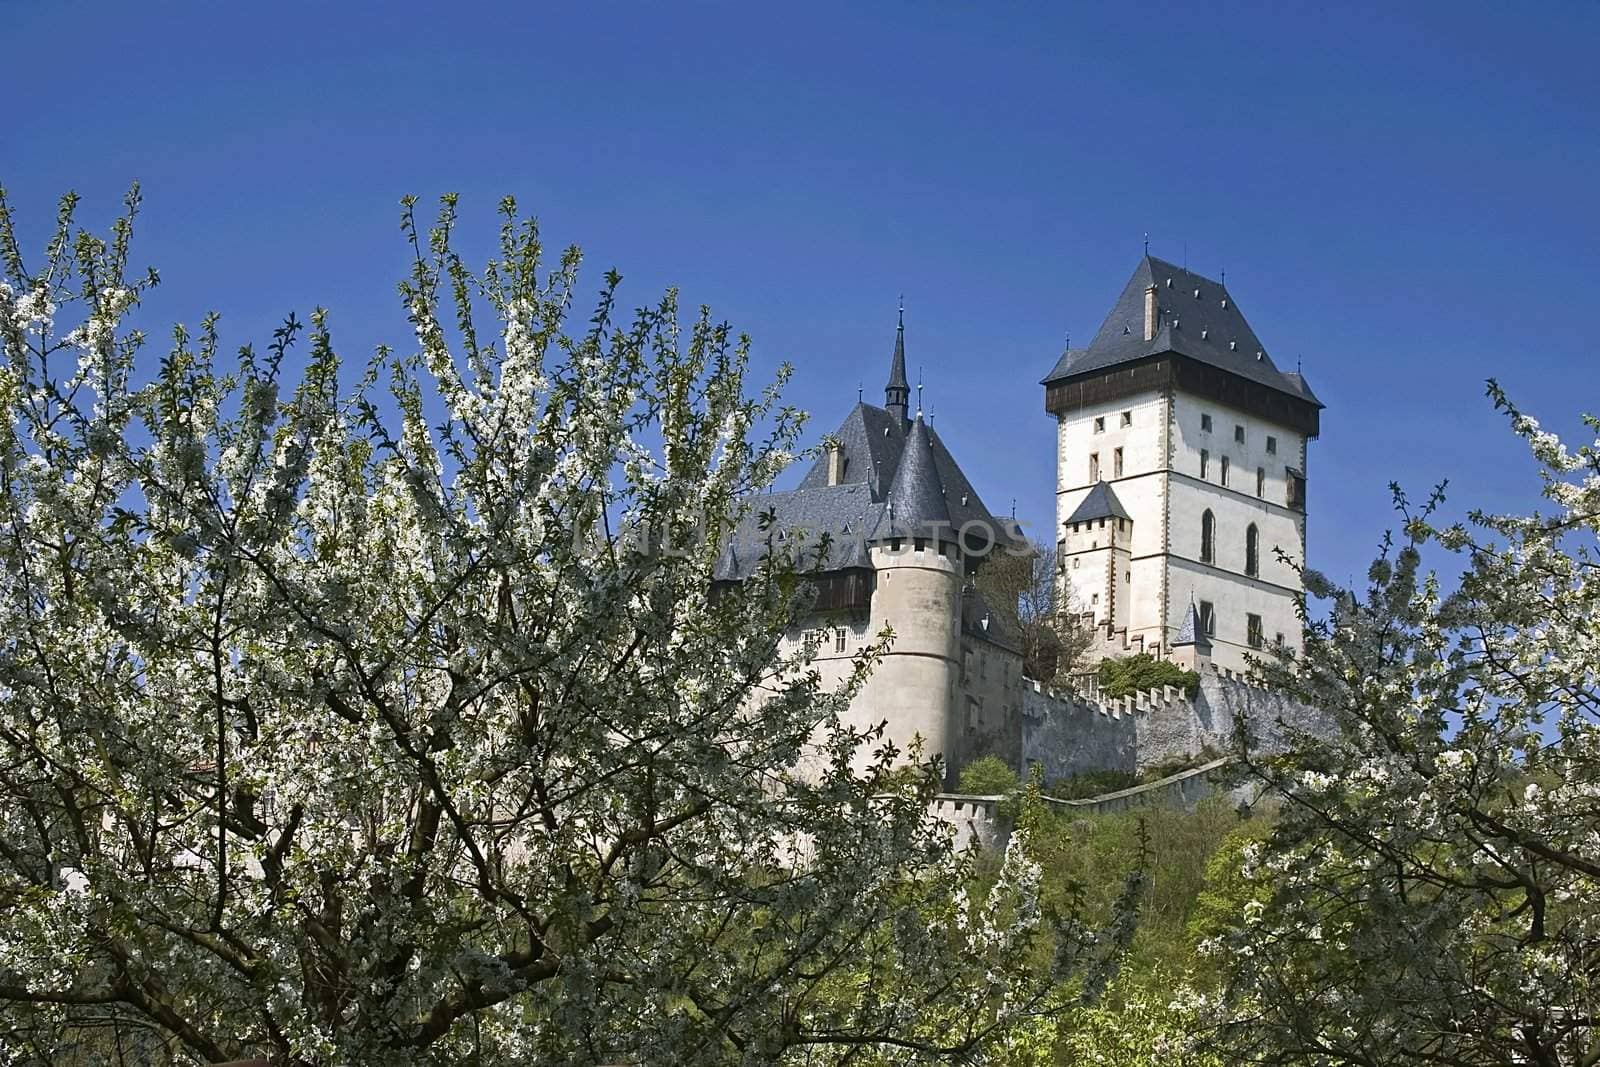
977, 820
1064, 734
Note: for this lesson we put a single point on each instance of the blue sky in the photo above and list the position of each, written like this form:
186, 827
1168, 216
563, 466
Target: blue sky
1401, 195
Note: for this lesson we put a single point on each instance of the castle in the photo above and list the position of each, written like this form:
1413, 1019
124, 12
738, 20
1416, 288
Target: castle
1180, 499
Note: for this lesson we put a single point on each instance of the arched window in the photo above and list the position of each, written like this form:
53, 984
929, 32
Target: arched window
1252, 551
1208, 537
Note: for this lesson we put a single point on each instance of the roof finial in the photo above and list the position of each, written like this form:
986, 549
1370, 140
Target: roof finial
1297, 363
858, 390
1147, 242
902, 310
1224, 275
1013, 507
919, 390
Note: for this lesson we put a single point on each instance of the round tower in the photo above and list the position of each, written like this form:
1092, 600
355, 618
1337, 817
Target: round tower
918, 567
914, 688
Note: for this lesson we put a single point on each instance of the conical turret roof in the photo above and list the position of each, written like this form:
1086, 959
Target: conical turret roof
1191, 632
916, 498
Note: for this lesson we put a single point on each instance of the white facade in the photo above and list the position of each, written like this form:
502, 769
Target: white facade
1171, 476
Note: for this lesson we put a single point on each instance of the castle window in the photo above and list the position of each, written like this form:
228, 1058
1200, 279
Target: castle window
1116, 463
1094, 466
1253, 631
919, 544
1297, 489
1261, 481
1208, 619
1252, 551
1208, 537
1074, 562
838, 638
1100, 424
1272, 445
1205, 461
1205, 423
1224, 470
1277, 640
1127, 418
1238, 433
1061, 551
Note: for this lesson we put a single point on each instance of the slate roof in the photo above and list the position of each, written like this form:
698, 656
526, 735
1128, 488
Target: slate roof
890, 466
1190, 631
1100, 503
1208, 328
916, 498
897, 365
999, 629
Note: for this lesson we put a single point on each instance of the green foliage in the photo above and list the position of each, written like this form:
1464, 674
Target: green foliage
1231, 886
1091, 784
1086, 860
988, 776
1150, 1022
1138, 673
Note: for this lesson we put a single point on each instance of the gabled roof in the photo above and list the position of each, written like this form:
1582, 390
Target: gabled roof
1100, 503
1208, 328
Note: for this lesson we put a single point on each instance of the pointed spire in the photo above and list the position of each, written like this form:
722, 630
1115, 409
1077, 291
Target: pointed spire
897, 394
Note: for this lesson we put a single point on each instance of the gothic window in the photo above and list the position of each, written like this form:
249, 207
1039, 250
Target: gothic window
1238, 433
1272, 445
1127, 418
1253, 631
1252, 551
1094, 466
1208, 619
1116, 463
1205, 423
1205, 461
1208, 537
1100, 424
838, 638
1261, 481
1224, 470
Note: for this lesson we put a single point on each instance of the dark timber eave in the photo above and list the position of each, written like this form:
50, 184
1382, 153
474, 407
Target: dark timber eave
1066, 396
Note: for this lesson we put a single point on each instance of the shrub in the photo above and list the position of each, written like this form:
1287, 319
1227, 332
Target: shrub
1091, 784
988, 776
1135, 674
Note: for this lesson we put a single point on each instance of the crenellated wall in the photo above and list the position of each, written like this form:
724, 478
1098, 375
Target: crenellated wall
1066, 734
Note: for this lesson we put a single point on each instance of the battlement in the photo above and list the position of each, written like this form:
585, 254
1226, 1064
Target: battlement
1065, 733
980, 820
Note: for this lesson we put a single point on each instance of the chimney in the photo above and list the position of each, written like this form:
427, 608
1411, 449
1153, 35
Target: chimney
835, 463
1150, 313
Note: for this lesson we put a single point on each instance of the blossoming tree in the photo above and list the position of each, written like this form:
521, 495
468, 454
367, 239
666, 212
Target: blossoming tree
339, 722
1431, 894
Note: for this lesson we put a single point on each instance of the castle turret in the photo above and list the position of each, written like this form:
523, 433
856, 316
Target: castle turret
1191, 648
918, 593
1094, 557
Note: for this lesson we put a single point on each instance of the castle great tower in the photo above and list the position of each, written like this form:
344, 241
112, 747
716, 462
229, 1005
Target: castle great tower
1181, 458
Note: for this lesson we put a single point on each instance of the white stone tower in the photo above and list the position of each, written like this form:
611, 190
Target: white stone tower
1181, 472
